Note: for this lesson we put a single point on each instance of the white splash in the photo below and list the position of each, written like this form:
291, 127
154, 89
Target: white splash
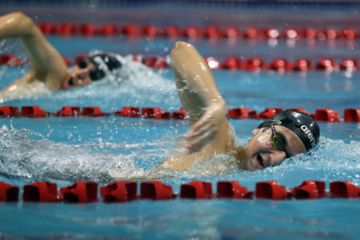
27, 154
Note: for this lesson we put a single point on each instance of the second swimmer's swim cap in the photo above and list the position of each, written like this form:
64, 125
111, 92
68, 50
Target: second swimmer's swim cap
103, 63
300, 123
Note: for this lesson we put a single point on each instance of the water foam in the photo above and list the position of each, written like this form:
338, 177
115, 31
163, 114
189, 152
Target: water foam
28, 154
134, 84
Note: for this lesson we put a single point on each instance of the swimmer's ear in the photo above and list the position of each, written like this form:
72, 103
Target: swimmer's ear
255, 131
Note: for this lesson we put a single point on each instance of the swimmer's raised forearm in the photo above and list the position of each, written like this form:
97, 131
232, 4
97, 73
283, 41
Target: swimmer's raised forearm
48, 64
190, 66
199, 95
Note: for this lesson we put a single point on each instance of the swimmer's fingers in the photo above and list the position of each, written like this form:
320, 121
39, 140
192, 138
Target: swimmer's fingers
205, 129
198, 129
202, 132
197, 137
212, 118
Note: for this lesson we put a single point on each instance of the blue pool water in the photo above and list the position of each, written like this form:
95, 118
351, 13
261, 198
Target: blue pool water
64, 150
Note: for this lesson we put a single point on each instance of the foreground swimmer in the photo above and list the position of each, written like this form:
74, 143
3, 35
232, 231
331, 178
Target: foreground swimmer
48, 66
286, 134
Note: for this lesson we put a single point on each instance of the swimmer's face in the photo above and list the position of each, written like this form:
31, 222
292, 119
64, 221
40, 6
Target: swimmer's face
79, 75
261, 154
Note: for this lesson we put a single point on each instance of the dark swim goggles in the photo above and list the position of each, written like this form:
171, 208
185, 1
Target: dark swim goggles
277, 141
94, 74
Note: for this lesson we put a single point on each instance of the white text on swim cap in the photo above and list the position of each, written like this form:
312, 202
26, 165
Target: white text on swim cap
309, 134
102, 64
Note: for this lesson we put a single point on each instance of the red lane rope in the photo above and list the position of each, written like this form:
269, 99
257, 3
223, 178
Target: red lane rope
323, 114
212, 32
124, 191
254, 64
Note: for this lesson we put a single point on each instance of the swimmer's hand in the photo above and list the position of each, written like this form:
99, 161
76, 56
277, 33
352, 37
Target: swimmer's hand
203, 131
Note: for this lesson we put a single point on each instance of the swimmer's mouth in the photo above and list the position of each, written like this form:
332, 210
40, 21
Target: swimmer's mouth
69, 83
260, 161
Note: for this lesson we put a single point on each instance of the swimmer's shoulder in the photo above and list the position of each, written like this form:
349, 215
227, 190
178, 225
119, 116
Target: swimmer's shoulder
232, 138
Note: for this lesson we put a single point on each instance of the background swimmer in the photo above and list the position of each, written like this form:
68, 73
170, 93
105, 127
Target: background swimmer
48, 66
286, 134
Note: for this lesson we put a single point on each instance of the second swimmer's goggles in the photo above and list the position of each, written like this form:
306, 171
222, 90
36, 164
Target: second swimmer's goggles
103, 63
94, 74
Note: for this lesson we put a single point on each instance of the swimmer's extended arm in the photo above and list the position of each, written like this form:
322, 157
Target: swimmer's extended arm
203, 105
200, 99
48, 65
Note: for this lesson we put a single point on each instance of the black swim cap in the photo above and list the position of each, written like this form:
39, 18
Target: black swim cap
103, 63
300, 123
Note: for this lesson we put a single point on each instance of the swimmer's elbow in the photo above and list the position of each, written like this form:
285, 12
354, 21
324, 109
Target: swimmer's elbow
23, 22
21, 17
180, 46
181, 51
18, 15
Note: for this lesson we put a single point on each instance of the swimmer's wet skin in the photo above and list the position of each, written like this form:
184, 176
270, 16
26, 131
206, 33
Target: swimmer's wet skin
48, 66
286, 134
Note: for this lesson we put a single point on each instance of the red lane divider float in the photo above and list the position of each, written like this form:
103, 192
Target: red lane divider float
352, 115
323, 114
156, 190
196, 190
9, 111
309, 190
11, 61
124, 191
119, 192
326, 114
282, 65
155, 113
41, 192
80, 192
271, 190
232, 189
242, 113
179, 115
8, 193
128, 112
93, 112
344, 189
254, 64
211, 32
34, 112
5, 58
68, 111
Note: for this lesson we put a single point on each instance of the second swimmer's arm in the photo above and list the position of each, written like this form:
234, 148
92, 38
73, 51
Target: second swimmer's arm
199, 96
48, 64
